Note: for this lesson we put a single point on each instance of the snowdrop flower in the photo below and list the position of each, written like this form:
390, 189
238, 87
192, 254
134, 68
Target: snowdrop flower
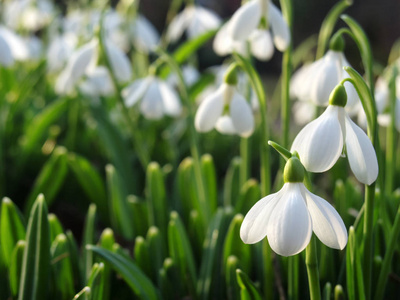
97, 83
251, 23
195, 20
190, 76
156, 98
316, 81
13, 47
239, 119
145, 35
321, 142
59, 50
289, 217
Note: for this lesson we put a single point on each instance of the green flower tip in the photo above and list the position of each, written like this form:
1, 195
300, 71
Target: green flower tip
230, 76
338, 96
337, 43
294, 170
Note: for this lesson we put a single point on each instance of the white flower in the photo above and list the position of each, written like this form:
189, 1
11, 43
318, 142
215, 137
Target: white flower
60, 49
156, 98
288, 219
145, 36
243, 27
97, 83
195, 19
6, 57
321, 142
190, 76
17, 46
240, 119
315, 82
120, 63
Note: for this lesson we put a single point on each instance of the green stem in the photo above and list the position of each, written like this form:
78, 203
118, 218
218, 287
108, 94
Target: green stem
383, 275
312, 270
244, 160
287, 10
135, 134
293, 280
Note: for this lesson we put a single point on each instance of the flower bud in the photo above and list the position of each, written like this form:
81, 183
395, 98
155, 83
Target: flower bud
337, 43
338, 96
294, 170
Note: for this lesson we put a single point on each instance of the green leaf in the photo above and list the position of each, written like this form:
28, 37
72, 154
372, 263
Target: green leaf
232, 286
50, 178
329, 24
55, 226
233, 245
84, 294
107, 241
231, 183
12, 228
355, 279
171, 284
181, 252
156, 242
129, 271
36, 261
88, 239
96, 282
248, 291
74, 256
155, 190
37, 128
118, 205
138, 209
63, 277
210, 181
15, 266
186, 188
90, 181
142, 256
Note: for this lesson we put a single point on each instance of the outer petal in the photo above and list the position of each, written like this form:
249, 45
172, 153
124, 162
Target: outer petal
81, 60
326, 77
289, 226
245, 20
210, 110
202, 20
303, 112
135, 91
225, 125
146, 37
119, 62
242, 116
320, 143
261, 44
255, 223
178, 26
361, 153
300, 83
151, 105
170, 99
279, 27
222, 44
327, 223
6, 58
16, 44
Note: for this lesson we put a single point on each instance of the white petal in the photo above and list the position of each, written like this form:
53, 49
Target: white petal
222, 44
6, 58
289, 226
16, 44
135, 91
209, 111
242, 116
119, 62
177, 26
98, 83
151, 105
254, 226
326, 77
64, 83
361, 153
261, 44
224, 125
327, 223
171, 102
202, 20
245, 20
299, 83
82, 59
303, 112
146, 37
320, 143
279, 28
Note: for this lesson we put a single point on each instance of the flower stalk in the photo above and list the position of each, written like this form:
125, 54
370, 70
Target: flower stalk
312, 270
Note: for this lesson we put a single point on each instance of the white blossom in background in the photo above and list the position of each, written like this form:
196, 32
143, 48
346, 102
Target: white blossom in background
60, 49
156, 98
238, 120
13, 47
145, 35
190, 76
195, 20
251, 23
288, 218
321, 142
97, 83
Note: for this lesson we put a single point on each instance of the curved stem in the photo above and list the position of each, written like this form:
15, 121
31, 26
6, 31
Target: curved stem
312, 270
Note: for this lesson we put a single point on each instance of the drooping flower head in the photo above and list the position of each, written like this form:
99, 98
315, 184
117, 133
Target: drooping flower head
226, 110
288, 217
251, 23
321, 142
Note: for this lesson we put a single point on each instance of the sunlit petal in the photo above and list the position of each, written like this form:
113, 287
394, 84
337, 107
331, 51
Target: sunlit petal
261, 45
151, 105
320, 143
279, 28
120, 63
135, 91
242, 116
245, 20
210, 110
177, 26
289, 227
170, 99
327, 224
224, 125
361, 153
